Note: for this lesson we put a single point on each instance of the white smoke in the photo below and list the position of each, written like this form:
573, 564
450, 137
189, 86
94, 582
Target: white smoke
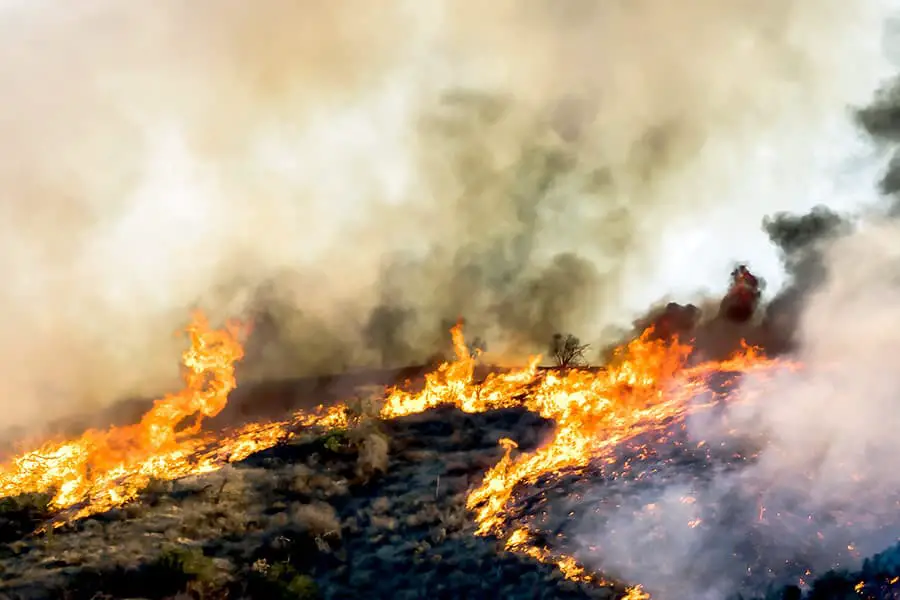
158, 156
824, 480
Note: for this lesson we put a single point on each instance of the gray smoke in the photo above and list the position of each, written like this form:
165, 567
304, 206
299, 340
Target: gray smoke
355, 179
821, 490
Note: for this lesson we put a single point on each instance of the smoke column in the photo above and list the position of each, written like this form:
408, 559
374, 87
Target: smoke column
353, 178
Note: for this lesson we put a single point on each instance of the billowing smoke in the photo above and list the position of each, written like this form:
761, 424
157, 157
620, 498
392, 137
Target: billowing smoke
831, 427
354, 178
817, 489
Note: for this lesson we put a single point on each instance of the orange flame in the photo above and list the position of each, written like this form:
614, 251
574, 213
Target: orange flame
102, 469
452, 385
646, 386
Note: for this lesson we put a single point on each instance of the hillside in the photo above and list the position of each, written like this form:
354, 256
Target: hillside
451, 486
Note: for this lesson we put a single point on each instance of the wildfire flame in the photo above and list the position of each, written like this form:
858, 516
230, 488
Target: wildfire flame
646, 386
104, 469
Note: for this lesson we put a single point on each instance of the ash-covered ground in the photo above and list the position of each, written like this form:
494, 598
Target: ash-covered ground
378, 511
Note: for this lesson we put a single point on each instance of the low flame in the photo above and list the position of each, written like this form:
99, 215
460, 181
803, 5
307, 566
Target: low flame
647, 385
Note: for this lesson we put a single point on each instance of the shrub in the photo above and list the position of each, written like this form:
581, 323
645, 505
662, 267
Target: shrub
176, 570
280, 582
335, 440
318, 519
180, 568
21, 515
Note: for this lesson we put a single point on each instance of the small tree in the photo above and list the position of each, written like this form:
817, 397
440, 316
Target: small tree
568, 351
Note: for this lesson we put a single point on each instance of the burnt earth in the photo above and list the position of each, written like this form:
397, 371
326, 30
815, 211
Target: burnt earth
405, 534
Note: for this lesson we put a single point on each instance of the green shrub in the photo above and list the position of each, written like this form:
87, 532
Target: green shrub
176, 570
336, 440
280, 581
180, 568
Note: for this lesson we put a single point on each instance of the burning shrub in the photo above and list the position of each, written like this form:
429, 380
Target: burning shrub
742, 299
568, 351
362, 437
362, 416
363, 409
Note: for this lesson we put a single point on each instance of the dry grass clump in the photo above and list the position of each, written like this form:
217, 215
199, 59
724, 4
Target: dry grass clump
229, 501
304, 481
363, 437
318, 519
373, 458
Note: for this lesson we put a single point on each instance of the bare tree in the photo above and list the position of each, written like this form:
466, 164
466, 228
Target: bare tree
568, 351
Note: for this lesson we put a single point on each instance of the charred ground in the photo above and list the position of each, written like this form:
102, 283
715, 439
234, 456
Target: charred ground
317, 506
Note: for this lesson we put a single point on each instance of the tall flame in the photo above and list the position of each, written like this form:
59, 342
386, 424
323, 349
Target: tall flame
102, 469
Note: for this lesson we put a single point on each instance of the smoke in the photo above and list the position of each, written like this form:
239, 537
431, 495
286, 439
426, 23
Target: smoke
355, 179
651, 170
844, 398
831, 427
820, 492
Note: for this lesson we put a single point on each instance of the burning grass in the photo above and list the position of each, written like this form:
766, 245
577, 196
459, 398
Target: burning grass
649, 385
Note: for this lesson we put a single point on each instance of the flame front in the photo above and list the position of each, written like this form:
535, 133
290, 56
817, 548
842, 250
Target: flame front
647, 386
